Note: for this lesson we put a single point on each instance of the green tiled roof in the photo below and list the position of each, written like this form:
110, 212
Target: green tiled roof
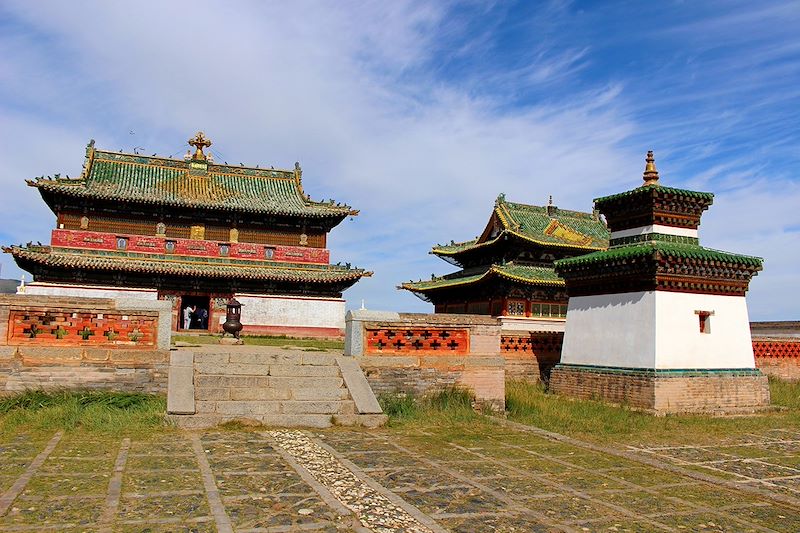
572, 229
654, 248
535, 275
180, 183
184, 266
709, 197
455, 247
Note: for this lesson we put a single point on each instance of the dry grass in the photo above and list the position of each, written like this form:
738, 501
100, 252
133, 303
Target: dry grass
90, 411
585, 419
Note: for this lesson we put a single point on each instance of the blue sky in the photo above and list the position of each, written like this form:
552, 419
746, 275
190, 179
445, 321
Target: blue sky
420, 113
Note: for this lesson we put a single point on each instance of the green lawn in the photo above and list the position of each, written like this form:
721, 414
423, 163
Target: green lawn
291, 342
92, 412
591, 420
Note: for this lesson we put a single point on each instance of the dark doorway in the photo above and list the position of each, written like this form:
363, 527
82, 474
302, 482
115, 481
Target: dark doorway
195, 311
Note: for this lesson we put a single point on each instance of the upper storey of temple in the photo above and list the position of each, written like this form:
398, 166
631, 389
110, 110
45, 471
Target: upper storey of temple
525, 227
655, 246
654, 208
195, 182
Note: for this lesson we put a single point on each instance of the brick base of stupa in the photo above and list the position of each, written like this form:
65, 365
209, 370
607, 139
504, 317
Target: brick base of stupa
717, 392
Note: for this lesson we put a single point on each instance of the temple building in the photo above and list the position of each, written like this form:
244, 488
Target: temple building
508, 271
658, 321
197, 233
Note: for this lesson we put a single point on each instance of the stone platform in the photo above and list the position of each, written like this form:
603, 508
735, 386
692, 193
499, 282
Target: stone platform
666, 391
273, 386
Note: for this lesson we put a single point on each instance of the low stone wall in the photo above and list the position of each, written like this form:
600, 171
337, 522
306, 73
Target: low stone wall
71, 342
419, 353
779, 357
664, 392
531, 355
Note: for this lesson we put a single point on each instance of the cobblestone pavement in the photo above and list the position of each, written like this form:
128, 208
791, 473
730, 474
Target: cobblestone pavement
389, 480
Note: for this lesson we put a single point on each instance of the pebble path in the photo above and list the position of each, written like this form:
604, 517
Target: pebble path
372, 508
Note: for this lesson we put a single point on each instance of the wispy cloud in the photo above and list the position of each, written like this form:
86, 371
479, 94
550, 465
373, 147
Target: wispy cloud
417, 113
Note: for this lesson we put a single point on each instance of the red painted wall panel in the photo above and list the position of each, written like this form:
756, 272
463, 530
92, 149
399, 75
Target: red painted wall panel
93, 240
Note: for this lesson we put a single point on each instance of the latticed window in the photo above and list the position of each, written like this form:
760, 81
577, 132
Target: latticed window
548, 310
516, 308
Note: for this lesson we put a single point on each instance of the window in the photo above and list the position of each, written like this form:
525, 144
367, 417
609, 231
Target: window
269, 253
122, 243
516, 308
704, 320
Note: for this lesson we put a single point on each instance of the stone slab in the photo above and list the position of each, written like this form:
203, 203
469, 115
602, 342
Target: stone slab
181, 358
357, 385
180, 391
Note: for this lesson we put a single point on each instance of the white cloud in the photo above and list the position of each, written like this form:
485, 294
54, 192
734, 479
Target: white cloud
357, 93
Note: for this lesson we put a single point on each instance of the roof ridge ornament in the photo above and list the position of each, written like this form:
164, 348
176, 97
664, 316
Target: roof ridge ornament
199, 141
650, 172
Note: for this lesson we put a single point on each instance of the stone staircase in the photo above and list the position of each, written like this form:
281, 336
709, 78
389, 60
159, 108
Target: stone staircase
271, 386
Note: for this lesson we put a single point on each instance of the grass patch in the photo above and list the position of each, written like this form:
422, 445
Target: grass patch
93, 411
449, 406
280, 341
784, 393
591, 420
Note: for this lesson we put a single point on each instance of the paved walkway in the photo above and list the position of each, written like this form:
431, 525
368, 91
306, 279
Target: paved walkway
355, 480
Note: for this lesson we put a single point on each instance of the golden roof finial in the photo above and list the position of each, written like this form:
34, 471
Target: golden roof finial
199, 141
650, 171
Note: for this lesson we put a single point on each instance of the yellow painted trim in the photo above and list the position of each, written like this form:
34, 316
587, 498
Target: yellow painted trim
521, 236
493, 270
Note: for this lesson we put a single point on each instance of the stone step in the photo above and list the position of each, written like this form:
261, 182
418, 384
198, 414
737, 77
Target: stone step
265, 393
304, 370
309, 383
320, 394
202, 421
274, 407
263, 382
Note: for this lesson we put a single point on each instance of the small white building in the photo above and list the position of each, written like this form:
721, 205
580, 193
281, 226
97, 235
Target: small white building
657, 321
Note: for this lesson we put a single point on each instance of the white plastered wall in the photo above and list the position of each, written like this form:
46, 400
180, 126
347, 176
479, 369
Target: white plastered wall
259, 310
655, 228
657, 330
611, 330
85, 291
680, 344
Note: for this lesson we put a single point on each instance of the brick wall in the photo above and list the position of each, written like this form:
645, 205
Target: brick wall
680, 393
41, 347
778, 357
434, 352
530, 356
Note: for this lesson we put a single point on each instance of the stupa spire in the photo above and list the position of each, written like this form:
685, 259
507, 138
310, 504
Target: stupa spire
650, 171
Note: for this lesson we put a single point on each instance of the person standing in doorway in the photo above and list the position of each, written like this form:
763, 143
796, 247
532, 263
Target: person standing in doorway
203, 316
187, 317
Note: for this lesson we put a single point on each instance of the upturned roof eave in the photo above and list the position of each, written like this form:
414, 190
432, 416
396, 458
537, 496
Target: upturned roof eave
523, 236
315, 210
494, 270
189, 268
656, 250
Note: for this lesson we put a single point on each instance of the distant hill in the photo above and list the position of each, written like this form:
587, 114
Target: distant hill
8, 286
